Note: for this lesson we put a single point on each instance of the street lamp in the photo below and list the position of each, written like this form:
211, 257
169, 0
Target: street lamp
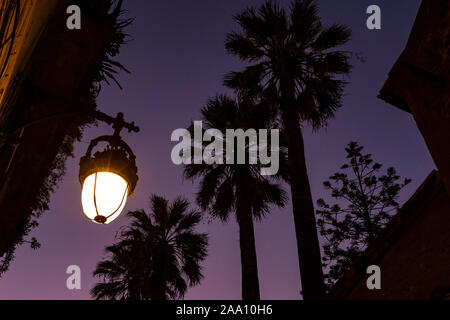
109, 176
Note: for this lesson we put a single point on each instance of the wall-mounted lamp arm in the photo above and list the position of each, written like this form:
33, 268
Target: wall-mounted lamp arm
118, 123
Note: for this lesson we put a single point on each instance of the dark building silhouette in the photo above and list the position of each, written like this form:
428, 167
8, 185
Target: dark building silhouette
48, 75
414, 250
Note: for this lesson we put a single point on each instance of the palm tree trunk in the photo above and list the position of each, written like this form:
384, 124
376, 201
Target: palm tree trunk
249, 263
159, 278
134, 294
159, 290
304, 218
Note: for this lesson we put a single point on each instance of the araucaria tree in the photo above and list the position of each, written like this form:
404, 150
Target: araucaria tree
296, 67
365, 202
157, 257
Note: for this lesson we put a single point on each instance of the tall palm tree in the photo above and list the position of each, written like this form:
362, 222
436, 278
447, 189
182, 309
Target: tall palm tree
238, 188
157, 256
295, 66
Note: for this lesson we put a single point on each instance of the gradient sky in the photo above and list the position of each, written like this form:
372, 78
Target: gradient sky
177, 61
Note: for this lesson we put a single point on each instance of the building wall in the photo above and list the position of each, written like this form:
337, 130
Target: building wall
417, 262
33, 18
45, 104
419, 81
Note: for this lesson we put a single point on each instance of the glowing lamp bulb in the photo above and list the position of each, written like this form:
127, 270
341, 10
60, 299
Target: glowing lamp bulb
103, 196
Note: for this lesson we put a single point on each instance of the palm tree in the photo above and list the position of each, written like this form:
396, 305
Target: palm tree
239, 188
157, 256
294, 65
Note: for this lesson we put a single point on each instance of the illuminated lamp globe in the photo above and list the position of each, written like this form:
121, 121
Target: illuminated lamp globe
107, 179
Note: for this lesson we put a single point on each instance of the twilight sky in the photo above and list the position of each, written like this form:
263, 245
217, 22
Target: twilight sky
177, 61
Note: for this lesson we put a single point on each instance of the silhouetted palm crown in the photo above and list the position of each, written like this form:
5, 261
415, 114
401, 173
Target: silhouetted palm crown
157, 256
217, 191
292, 56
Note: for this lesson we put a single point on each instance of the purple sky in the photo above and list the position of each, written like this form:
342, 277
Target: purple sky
177, 60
